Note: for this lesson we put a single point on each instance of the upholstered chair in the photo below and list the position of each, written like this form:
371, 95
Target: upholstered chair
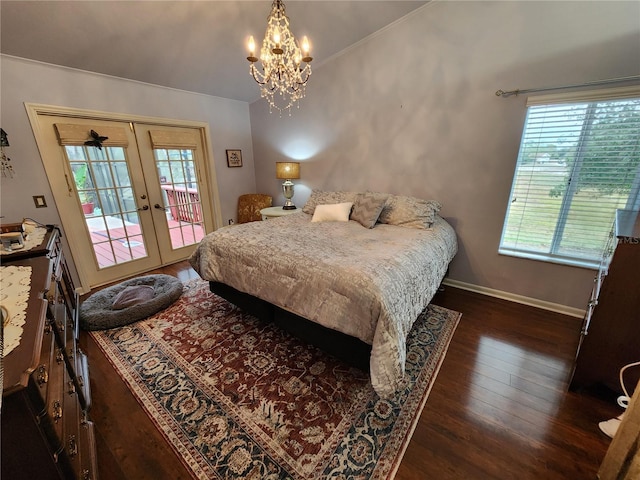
250, 204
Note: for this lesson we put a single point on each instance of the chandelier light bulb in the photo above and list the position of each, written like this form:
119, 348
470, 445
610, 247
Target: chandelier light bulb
276, 37
305, 45
252, 46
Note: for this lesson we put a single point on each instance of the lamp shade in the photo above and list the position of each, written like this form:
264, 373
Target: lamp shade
287, 170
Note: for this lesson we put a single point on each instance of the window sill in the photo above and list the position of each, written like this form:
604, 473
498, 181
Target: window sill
572, 262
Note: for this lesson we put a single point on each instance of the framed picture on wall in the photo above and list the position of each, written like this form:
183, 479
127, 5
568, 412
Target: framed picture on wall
234, 158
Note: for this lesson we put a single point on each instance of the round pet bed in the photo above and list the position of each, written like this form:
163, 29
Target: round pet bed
144, 296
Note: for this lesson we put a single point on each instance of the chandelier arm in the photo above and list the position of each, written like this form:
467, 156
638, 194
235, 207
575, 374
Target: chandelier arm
304, 82
298, 86
253, 72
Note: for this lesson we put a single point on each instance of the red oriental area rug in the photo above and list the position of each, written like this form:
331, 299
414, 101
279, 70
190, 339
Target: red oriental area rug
239, 398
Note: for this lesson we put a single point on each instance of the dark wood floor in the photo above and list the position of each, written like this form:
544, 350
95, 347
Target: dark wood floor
499, 408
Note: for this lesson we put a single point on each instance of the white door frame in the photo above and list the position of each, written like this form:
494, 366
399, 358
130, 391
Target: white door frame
212, 220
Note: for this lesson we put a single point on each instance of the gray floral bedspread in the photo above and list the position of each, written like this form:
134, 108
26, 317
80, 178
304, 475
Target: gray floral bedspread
368, 283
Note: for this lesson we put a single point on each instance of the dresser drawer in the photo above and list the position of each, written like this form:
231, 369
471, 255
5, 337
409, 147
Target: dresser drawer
82, 380
88, 458
70, 339
71, 421
59, 323
40, 375
55, 394
64, 334
593, 300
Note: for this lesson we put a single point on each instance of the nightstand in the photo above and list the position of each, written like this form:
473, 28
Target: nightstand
273, 212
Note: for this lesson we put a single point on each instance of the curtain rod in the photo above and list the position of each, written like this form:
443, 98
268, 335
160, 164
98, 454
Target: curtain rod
502, 93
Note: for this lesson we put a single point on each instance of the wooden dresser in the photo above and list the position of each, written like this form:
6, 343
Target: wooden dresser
611, 331
46, 431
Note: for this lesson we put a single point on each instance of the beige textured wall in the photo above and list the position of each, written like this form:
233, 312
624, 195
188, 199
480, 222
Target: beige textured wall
412, 110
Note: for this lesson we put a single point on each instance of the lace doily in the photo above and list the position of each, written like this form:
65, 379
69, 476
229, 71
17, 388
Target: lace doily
15, 283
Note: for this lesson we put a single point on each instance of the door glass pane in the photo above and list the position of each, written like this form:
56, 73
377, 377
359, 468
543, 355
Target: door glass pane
103, 185
179, 183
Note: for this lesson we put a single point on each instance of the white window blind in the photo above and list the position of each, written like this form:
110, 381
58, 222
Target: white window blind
579, 161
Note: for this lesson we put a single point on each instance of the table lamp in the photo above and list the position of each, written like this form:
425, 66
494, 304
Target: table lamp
287, 171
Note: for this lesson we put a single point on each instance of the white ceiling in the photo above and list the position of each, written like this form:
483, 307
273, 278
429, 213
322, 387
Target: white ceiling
197, 46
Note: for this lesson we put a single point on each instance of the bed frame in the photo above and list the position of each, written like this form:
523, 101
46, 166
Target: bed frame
342, 346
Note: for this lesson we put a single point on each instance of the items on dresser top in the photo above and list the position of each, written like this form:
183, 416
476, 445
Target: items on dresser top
11, 241
21, 236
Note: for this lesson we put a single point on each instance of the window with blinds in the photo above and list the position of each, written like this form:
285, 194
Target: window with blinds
579, 161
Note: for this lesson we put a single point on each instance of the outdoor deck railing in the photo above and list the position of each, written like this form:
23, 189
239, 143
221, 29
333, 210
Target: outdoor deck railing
184, 203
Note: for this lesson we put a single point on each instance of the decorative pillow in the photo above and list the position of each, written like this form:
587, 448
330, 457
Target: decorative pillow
320, 197
132, 296
368, 207
335, 212
409, 212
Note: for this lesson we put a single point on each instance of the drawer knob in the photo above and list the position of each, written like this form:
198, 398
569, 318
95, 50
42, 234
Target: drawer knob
72, 387
59, 356
73, 446
57, 410
42, 376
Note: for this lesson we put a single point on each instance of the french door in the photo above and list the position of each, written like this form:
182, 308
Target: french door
131, 196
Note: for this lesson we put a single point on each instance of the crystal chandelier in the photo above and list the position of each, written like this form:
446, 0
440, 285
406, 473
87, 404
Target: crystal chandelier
285, 65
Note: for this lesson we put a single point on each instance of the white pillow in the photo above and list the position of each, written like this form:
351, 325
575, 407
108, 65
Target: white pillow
336, 212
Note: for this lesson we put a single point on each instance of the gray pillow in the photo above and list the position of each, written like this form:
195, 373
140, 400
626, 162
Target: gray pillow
409, 212
320, 197
368, 207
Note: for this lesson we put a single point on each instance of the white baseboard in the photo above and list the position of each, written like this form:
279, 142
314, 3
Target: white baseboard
512, 297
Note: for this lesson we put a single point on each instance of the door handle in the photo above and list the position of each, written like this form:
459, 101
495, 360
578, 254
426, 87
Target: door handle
146, 207
159, 207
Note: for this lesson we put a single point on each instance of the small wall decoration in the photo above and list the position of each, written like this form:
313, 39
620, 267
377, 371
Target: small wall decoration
5, 162
234, 158
96, 140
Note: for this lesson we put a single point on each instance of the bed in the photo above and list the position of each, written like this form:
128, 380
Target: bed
369, 284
